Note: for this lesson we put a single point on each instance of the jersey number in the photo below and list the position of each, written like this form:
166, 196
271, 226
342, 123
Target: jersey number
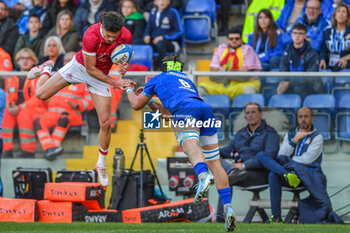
184, 83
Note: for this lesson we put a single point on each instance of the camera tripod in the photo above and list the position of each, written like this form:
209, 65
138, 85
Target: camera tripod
142, 146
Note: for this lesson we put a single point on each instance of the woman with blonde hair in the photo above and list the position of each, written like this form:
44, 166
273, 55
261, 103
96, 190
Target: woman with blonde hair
65, 30
335, 49
54, 51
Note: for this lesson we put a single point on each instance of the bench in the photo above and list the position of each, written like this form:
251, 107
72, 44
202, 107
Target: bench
259, 205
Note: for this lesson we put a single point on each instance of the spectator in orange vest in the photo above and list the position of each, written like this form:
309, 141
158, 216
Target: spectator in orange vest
64, 110
30, 109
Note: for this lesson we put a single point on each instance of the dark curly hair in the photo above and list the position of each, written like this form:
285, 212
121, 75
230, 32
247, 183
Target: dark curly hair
112, 21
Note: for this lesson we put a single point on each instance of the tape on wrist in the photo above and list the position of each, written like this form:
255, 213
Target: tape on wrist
128, 90
150, 102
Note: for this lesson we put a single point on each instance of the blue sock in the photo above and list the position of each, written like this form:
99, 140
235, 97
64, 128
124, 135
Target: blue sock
225, 195
200, 168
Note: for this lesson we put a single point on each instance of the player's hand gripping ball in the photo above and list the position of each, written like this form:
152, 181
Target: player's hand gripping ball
122, 53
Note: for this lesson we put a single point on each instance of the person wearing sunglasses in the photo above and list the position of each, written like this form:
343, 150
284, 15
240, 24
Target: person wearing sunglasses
233, 56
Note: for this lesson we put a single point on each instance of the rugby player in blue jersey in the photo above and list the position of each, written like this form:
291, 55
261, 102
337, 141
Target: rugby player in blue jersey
180, 96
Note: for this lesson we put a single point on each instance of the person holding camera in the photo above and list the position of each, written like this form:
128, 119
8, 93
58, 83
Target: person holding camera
256, 138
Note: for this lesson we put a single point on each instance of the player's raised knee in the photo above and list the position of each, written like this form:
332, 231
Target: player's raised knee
105, 124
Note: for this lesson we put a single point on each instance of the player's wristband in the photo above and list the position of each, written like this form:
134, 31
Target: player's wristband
128, 90
150, 102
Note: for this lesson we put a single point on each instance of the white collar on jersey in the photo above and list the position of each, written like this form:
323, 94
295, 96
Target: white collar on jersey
101, 32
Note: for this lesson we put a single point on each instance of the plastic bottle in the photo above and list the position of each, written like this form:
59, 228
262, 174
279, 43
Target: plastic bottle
118, 162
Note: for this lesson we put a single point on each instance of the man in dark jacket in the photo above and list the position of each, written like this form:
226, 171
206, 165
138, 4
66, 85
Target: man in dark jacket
299, 56
299, 161
164, 29
256, 138
8, 30
89, 12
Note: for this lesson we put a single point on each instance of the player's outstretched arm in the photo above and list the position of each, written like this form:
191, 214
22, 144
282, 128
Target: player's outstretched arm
163, 110
137, 100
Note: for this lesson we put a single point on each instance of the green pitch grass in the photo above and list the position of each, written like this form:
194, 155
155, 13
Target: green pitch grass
167, 227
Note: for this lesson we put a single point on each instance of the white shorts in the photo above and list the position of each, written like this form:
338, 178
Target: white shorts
74, 72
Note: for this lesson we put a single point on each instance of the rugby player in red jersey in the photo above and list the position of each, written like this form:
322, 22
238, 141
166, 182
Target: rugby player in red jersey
91, 65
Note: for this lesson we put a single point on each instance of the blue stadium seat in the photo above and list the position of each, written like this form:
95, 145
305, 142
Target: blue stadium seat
220, 103
143, 54
344, 102
241, 100
342, 81
221, 132
198, 20
285, 101
342, 129
343, 126
206, 7
197, 28
290, 103
320, 101
324, 105
338, 93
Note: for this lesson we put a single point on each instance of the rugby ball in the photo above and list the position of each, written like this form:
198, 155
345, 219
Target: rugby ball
122, 53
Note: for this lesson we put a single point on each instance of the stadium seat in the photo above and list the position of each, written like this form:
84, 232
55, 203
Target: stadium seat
285, 101
342, 81
241, 100
221, 132
342, 129
143, 55
289, 103
342, 122
328, 82
320, 101
338, 93
324, 106
220, 103
199, 22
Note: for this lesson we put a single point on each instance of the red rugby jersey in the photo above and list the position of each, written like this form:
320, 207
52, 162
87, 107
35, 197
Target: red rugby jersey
95, 45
